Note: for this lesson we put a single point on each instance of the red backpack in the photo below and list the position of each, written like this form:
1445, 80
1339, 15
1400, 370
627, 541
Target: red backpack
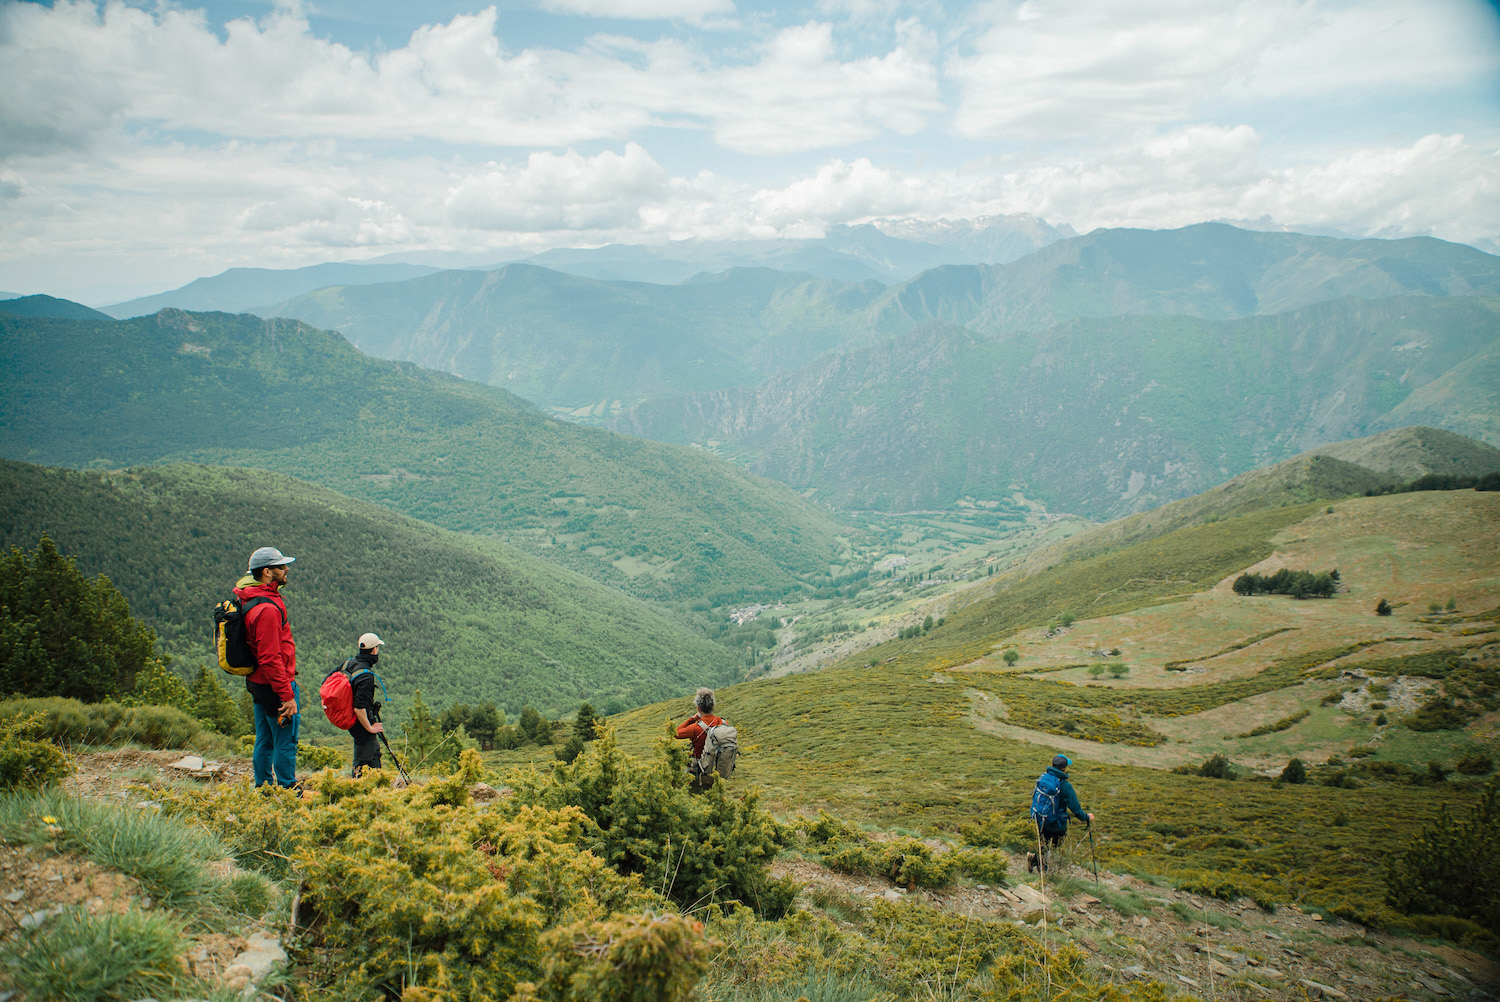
337, 695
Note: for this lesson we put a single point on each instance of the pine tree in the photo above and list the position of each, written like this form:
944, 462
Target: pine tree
583, 724
213, 705
156, 685
1382, 608
62, 634
425, 741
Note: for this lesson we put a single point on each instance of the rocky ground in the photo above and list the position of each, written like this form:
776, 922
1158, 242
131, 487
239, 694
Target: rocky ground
1136, 930
36, 882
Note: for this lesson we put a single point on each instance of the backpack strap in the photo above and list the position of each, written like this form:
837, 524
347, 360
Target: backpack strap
251, 603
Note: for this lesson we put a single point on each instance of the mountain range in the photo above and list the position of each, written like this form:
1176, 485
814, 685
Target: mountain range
888, 250
277, 394
1102, 417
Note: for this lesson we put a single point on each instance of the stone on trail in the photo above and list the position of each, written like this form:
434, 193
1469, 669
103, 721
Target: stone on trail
1031, 895
1317, 990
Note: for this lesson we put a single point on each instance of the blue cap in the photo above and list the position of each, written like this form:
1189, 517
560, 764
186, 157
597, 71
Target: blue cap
1061, 761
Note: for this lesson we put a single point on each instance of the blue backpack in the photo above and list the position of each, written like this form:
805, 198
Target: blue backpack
1047, 805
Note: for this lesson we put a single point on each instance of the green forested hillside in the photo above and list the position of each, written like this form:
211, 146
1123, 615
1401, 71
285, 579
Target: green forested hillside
1098, 416
464, 618
237, 390
576, 342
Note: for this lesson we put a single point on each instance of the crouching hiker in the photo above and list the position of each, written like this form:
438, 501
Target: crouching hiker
1051, 801
349, 702
715, 742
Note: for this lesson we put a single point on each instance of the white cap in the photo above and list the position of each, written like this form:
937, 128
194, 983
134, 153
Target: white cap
369, 642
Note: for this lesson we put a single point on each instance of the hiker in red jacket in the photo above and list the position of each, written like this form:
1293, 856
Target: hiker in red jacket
273, 683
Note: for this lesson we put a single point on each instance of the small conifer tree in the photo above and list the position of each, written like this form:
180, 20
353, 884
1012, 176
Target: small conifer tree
156, 685
1382, 608
583, 724
213, 705
1295, 772
1452, 867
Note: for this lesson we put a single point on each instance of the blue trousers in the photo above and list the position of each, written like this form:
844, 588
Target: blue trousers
276, 744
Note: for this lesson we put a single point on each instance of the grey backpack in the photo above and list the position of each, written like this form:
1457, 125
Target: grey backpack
721, 746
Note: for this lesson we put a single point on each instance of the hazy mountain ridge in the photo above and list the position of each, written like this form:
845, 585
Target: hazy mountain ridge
1209, 270
885, 250
240, 290
238, 390
1096, 416
49, 306
567, 341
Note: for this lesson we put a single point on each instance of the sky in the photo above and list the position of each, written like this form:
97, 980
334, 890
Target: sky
144, 144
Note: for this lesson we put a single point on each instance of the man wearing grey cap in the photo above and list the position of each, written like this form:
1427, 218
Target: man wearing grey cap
273, 683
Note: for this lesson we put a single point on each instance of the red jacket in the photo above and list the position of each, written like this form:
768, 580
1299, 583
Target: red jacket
690, 729
270, 637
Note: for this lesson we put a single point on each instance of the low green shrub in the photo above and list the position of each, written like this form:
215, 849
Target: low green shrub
69, 722
1216, 767
1476, 764
1440, 714
1000, 831
26, 764
312, 758
642, 817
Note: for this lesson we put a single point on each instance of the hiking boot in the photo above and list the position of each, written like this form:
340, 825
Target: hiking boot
1030, 862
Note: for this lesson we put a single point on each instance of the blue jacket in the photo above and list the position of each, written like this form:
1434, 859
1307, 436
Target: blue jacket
1068, 795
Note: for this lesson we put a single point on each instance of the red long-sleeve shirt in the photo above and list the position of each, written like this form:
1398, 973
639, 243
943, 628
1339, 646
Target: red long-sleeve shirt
690, 729
270, 637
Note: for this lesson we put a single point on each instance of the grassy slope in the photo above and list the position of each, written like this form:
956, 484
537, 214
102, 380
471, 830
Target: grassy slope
464, 618
237, 390
901, 742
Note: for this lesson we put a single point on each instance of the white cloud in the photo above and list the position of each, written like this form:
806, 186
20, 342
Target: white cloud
78, 68
691, 11
1051, 68
567, 192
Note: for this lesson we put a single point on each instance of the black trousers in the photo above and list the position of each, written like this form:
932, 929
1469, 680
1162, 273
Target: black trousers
366, 748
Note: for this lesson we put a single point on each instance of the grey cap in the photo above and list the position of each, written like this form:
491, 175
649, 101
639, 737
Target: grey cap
268, 556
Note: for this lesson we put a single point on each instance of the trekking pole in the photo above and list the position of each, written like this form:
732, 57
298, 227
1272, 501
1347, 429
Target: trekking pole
393, 757
1093, 855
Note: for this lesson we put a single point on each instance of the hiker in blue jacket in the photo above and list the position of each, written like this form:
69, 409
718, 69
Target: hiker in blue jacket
1051, 802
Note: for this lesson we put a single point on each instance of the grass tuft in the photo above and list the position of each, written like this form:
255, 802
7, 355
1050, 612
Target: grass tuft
77, 957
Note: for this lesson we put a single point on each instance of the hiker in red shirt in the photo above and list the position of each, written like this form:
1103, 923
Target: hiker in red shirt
695, 728
273, 683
